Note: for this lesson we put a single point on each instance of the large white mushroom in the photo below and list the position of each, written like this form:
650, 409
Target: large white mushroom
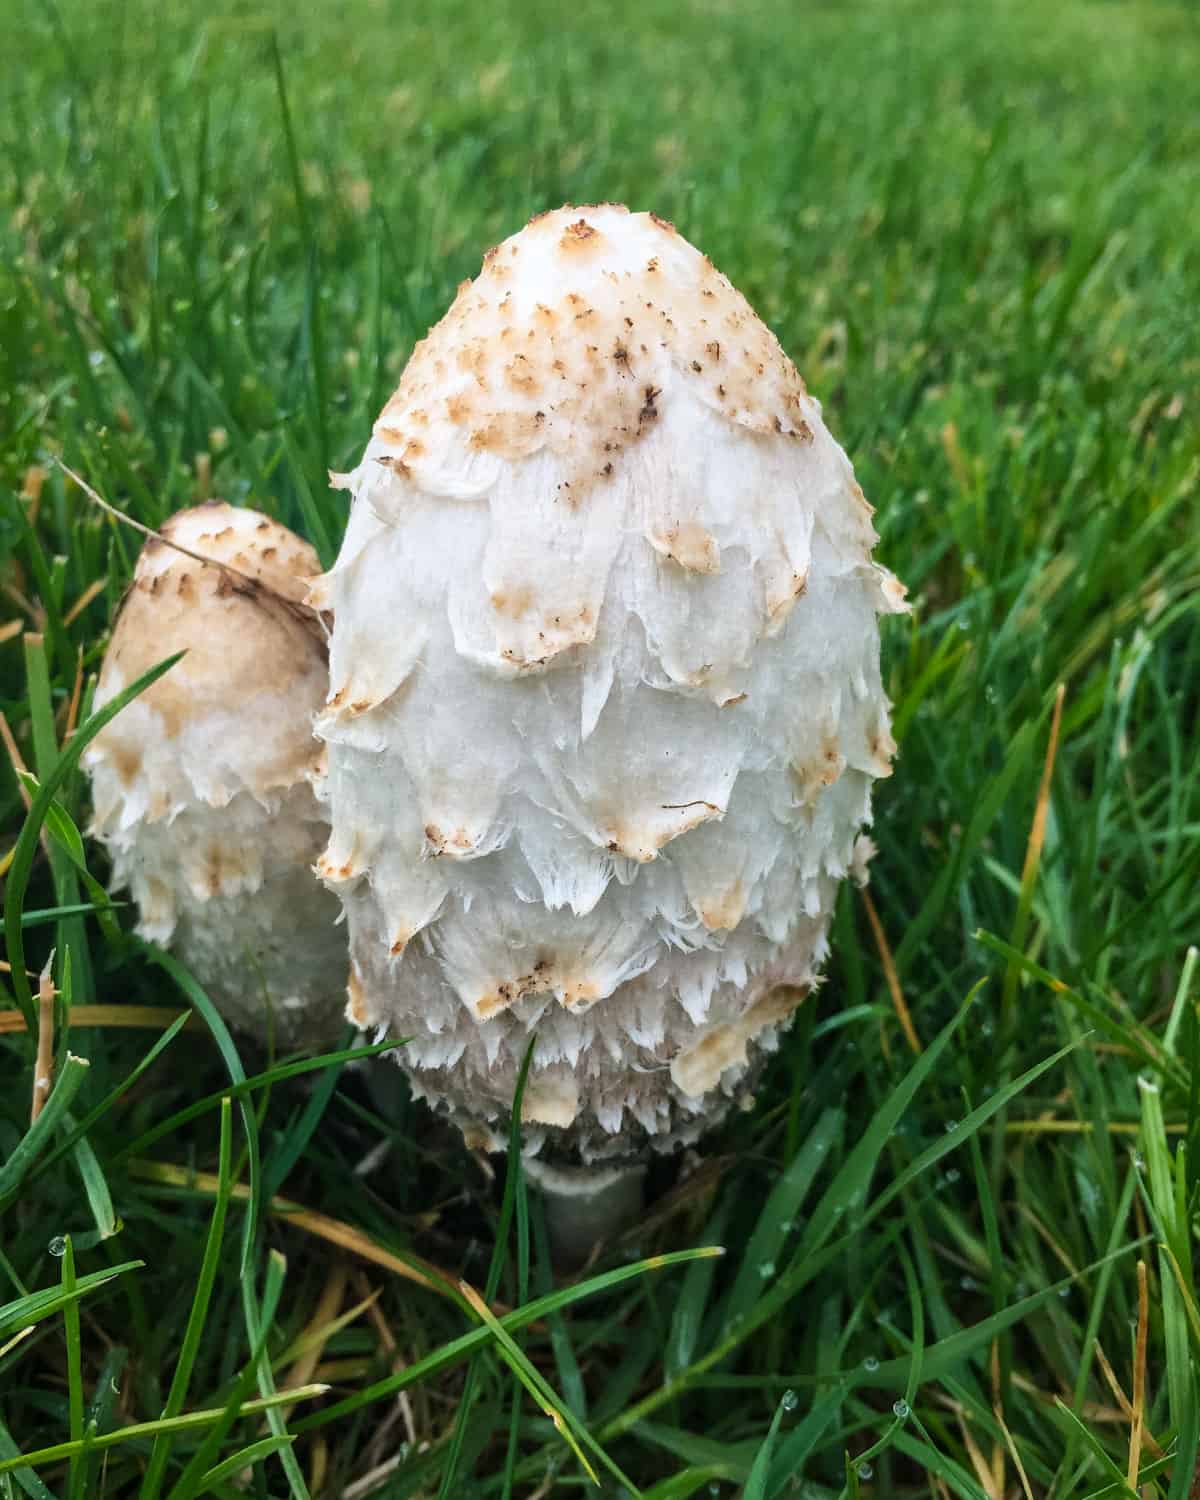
203, 786
605, 705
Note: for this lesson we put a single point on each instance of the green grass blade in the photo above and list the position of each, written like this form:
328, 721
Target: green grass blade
74, 1353
245, 1458
782, 1208
27, 843
462, 1347
77, 1132
756, 1485
237, 1073
849, 1185
197, 1318
138, 1432
277, 1074
512, 1174
39, 1135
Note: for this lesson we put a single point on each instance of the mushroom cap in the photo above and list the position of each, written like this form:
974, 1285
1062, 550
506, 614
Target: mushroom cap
248, 637
605, 704
203, 786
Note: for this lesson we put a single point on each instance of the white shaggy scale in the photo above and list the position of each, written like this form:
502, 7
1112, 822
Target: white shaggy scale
202, 787
605, 704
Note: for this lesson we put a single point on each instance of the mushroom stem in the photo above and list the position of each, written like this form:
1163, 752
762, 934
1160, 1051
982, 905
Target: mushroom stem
585, 1205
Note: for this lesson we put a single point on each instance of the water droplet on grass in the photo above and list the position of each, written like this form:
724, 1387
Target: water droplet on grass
790, 1401
870, 1363
864, 1470
57, 1247
901, 1409
767, 1269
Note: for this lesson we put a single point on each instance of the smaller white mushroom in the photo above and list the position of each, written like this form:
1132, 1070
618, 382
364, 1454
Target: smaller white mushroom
203, 787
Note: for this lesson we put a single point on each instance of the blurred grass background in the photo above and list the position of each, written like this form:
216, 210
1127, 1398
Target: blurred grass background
221, 230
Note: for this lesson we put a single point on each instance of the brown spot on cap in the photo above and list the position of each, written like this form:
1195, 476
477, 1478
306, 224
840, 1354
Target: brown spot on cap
577, 234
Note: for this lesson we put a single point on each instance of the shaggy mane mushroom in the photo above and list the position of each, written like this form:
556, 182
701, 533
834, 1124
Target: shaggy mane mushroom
203, 787
605, 706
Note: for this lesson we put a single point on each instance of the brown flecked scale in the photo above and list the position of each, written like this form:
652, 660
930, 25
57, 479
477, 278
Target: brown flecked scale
558, 396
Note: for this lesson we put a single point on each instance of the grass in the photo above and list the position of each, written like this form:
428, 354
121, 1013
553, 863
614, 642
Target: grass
966, 1271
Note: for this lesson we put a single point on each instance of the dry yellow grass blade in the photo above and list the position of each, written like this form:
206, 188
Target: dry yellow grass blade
319, 1329
979, 1463
16, 1339
890, 974
391, 1347
1012, 1450
1079, 1127
1037, 832
1139, 1380
1124, 1409
319, 1464
1033, 859
415, 1268
22, 770
43, 1068
97, 586
1060, 1254
148, 1017
76, 696
31, 489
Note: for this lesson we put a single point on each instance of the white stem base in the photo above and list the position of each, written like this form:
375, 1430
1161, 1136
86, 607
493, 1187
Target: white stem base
585, 1205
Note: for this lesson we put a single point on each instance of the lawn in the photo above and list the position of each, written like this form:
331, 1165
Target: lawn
964, 1268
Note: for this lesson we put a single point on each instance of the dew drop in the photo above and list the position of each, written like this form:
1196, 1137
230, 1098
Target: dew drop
767, 1269
870, 1363
789, 1401
57, 1247
865, 1471
901, 1409
951, 1124
1147, 1083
